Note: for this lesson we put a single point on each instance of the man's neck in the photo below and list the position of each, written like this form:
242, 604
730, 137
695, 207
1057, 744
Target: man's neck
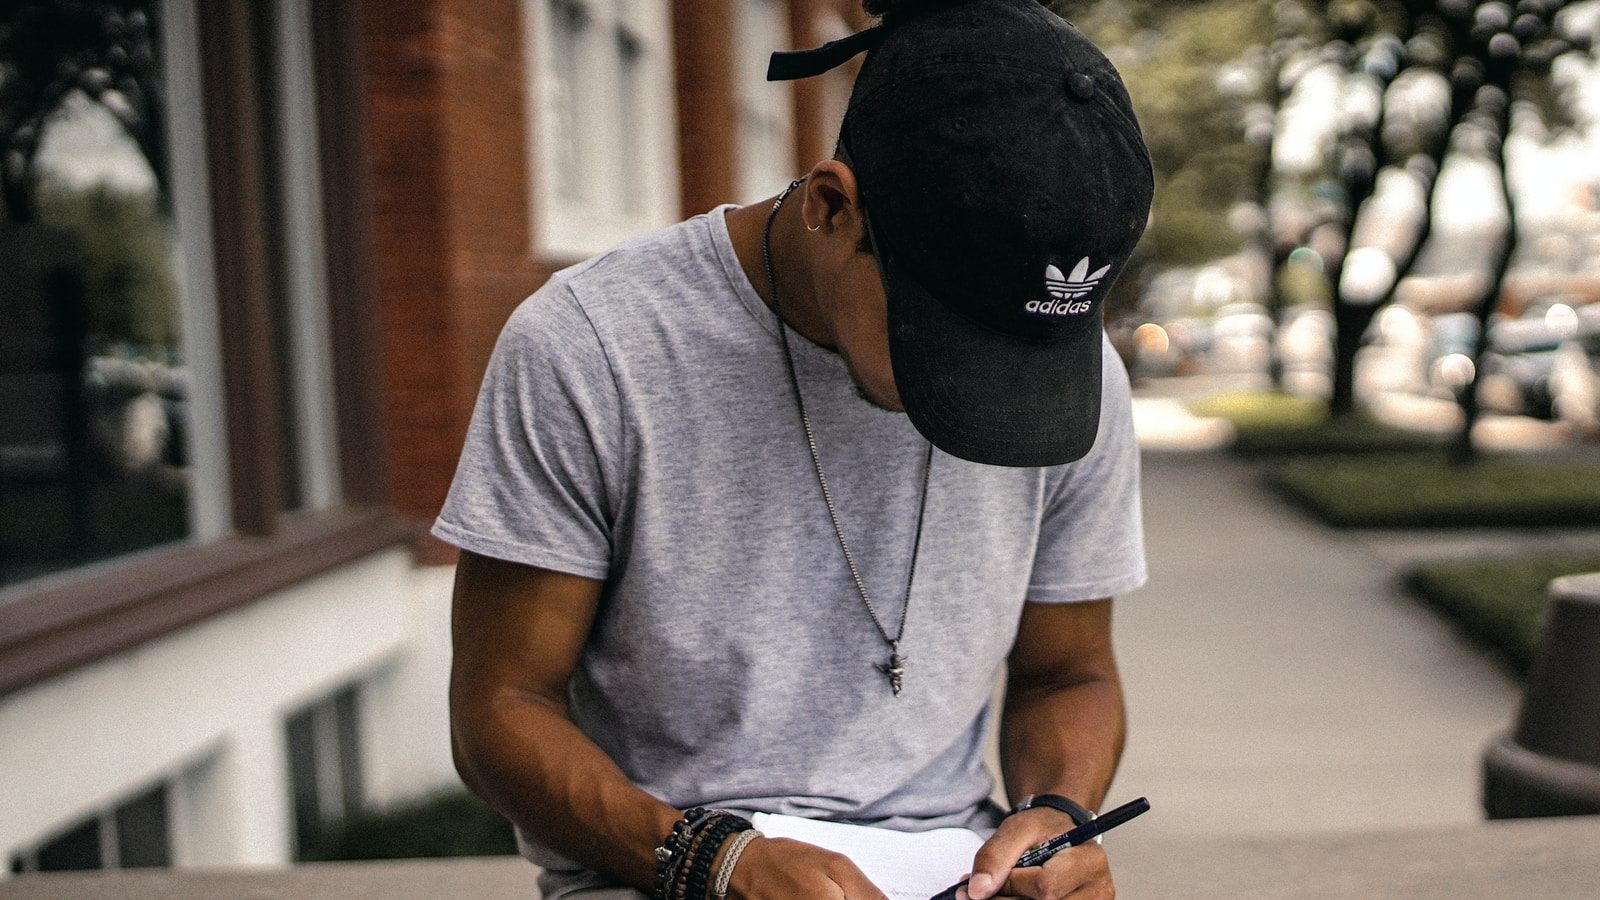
746, 226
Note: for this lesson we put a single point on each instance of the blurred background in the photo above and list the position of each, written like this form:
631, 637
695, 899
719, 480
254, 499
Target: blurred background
253, 257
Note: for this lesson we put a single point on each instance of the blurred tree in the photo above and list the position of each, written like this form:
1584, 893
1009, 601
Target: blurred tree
49, 49
1434, 94
1182, 61
1516, 47
1418, 80
1419, 83
127, 262
1371, 43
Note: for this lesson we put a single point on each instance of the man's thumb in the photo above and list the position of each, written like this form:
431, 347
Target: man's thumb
982, 885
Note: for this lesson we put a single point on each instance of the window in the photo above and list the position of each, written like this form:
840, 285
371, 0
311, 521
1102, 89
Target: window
176, 434
766, 114
324, 768
106, 405
299, 298
95, 379
132, 835
600, 113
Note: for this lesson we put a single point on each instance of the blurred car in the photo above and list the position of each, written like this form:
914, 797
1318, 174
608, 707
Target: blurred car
1240, 339
1545, 364
1305, 349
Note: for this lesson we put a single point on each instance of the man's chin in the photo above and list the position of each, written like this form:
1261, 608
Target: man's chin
886, 404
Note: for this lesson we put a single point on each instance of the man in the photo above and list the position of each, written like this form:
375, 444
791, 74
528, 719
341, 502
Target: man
710, 556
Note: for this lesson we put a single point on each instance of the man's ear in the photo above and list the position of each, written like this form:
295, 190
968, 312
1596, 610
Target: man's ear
833, 201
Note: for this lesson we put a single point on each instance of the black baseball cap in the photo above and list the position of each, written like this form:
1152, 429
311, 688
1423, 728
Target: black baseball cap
1005, 183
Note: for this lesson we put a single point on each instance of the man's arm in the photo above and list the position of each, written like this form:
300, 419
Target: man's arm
1064, 722
517, 633
1061, 732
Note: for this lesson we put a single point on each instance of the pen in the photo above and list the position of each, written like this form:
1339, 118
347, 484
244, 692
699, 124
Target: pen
1082, 834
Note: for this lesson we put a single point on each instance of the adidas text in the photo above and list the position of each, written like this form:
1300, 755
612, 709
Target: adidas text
1064, 290
1057, 307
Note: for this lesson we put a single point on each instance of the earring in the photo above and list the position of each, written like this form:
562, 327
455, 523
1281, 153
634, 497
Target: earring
813, 227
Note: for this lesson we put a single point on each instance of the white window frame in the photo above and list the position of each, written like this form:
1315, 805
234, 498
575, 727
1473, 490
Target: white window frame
628, 183
210, 497
306, 269
766, 109
312, 394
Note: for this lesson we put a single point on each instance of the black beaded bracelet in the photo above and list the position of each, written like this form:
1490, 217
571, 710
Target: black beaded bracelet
680, 887
674, 848
697, 876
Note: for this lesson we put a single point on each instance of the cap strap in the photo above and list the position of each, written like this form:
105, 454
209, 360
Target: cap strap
789, 65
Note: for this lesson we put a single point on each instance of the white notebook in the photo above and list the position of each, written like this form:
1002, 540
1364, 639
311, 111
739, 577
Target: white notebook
906, 865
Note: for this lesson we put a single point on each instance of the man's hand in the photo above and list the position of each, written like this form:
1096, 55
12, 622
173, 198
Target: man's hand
782, 869
1079, 873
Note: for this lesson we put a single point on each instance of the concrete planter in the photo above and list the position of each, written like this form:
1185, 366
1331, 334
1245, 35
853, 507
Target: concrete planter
1549, 765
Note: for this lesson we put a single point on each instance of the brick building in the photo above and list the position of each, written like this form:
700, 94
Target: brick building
221, 625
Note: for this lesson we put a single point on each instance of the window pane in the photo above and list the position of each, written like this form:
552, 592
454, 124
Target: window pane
142, 831
347, 715
308, 831
631, 86
569, 21
76, 850
94, 383
765, 160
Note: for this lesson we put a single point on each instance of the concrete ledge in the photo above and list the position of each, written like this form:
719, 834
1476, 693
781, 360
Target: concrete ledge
1531, 859
418, 879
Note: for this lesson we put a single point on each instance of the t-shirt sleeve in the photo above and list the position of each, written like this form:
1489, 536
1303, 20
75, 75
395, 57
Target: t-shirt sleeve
544, 443
1091, 538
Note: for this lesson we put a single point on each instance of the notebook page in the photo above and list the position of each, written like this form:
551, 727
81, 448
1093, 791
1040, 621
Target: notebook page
903, 864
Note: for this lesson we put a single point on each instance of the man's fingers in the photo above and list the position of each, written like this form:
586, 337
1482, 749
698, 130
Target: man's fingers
1081, 873
1016, 836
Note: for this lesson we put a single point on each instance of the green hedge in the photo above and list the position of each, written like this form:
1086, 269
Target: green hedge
1424, 491
1497, 602
453, 824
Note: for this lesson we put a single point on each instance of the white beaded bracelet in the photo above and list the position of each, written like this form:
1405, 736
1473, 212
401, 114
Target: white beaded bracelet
736, 846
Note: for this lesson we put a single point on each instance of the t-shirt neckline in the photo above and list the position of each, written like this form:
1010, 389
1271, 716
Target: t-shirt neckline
722, 242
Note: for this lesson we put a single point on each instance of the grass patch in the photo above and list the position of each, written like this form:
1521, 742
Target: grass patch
1261, 409
453, 824
1497, 602
1275, 424
1423, 491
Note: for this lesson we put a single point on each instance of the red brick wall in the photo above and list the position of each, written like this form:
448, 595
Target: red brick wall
450, 203
812, 142
702, 36
452, 197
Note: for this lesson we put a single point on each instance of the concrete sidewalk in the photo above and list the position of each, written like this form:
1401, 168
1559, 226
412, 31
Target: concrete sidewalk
1279, 682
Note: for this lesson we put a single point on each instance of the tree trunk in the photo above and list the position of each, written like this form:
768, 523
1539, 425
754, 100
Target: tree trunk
1463, 451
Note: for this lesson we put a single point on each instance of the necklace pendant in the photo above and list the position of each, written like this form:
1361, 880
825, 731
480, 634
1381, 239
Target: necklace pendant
895, 670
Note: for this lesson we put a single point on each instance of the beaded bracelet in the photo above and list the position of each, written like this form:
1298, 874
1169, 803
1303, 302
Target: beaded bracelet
697, 875
680, 886
736, 846
673, 851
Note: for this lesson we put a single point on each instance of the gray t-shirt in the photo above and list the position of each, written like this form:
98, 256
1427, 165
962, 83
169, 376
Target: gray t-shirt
637, 425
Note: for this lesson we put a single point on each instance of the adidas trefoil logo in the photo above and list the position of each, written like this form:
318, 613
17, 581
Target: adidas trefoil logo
1066, 289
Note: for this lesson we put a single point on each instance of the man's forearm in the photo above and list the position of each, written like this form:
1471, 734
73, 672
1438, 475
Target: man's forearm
1062, 738
528, 761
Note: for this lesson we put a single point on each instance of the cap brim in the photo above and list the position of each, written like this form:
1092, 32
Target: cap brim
988, 397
